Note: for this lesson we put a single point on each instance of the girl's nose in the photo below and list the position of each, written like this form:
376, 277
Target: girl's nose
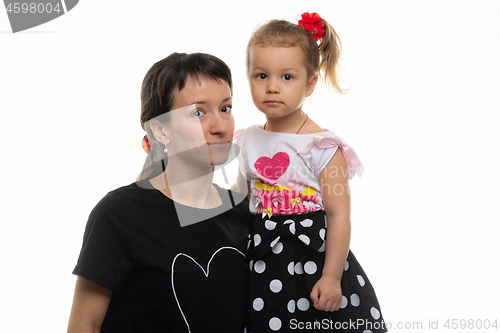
272, 87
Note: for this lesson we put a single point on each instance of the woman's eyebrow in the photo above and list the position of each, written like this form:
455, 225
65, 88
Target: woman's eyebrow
205, 102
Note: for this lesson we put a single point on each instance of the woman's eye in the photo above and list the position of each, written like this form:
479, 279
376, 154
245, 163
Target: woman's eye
227, 109
197, 113
262, 76
287, 77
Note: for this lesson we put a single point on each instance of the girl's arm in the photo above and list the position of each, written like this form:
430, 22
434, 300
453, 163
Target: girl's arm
90, 304
242, 185
334, 180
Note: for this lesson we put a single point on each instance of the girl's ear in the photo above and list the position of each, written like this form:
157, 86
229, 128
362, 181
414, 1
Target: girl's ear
160, 132
311, 84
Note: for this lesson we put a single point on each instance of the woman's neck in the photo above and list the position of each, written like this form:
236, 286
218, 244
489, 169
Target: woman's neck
188, 188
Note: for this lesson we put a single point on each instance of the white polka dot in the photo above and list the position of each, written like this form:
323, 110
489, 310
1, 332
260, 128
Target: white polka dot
258, 304
298, 268
275, 286
275, 241
304, 239
270, 225
292, 228
290, 267
322, 234
288, 222
277, 248
250, 265
291, 306
322, 248
355, 300
346, 265
361, 280
306, 223
259, 266
344, 302
303, 304
256, 239
275, 323
326, 223
367, 331
375, 313
310, 267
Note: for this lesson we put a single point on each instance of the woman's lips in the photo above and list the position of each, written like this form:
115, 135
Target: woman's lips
218, 144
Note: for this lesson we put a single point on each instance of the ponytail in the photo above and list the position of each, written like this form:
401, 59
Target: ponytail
330, 49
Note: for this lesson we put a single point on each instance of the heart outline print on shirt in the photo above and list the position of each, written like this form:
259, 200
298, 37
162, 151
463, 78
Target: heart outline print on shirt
205, 272
273, 168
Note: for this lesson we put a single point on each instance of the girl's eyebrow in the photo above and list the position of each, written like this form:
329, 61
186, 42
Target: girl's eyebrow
283, 69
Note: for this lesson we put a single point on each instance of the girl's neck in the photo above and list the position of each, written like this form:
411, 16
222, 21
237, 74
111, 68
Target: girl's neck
290, 123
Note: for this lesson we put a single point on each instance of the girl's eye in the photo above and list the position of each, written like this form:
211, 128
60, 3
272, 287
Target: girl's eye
262, 76
227, 109
287, 77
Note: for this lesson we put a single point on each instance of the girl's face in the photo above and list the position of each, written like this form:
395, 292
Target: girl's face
278, 79
201, 123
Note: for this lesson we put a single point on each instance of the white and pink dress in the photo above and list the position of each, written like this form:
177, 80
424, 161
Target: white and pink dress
287, 243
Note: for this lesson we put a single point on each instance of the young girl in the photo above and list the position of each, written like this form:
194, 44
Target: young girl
302, 277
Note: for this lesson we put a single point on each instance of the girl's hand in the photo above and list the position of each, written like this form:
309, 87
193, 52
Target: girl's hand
327, 294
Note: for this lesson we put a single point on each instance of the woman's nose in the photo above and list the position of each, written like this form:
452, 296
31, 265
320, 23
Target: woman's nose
218, 124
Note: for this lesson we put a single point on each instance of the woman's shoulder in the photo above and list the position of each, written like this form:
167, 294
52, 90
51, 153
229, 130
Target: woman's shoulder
120, 197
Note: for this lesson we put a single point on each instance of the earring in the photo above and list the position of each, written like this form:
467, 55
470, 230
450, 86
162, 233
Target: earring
165, 150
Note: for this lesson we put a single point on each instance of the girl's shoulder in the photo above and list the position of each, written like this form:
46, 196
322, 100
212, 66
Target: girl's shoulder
311, 127
243, 132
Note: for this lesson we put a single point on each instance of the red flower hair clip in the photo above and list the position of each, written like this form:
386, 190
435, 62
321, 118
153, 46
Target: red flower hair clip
145, 143
313, 25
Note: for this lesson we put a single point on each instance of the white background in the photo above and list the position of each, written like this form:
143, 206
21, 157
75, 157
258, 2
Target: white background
422, 113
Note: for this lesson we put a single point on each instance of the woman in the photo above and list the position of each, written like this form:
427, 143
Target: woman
166, 254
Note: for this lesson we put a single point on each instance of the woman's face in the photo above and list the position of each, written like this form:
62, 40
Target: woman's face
201, 125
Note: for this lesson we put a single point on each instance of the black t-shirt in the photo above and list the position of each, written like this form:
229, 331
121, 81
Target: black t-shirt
164, 277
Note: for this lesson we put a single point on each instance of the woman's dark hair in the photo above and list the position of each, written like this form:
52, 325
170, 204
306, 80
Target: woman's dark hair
157, 94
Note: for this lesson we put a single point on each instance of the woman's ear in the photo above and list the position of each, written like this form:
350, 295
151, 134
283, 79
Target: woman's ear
160, 132
311, 84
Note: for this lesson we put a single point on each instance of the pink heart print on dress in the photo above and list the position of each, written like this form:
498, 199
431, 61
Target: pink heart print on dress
273, 168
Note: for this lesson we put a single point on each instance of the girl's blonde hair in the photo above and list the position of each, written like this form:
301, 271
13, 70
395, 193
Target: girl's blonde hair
322, 59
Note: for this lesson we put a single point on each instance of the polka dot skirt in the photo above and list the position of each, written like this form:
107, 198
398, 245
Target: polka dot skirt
288, 253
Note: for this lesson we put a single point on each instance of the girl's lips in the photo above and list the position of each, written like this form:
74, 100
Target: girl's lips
272, 103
